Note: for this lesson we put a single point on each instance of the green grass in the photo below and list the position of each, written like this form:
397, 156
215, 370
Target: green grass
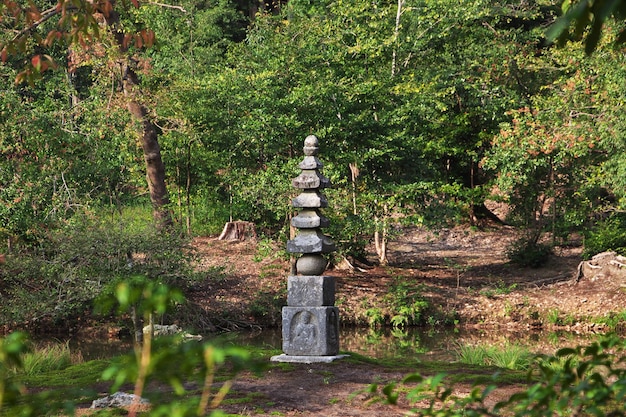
53, 391
82, 382
48, 358
613, 321
80, 374
514, 357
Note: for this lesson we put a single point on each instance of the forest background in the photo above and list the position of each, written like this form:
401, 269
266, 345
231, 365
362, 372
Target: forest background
425, 110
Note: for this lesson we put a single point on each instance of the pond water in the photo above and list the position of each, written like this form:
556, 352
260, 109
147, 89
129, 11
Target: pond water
429, 343
419, 343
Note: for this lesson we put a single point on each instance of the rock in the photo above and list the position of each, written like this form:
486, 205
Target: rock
602, 266
119, 400
169, 330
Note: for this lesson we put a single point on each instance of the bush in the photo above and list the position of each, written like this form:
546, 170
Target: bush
60, 278
528, 252
609, 234
403, 306
52, 357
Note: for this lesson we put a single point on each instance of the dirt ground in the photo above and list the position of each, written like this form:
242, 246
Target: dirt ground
462, 273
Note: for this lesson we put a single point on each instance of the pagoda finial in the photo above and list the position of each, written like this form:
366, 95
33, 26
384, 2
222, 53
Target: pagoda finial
311, 145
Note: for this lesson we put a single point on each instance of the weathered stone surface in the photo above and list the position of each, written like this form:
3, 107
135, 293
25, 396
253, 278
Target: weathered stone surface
310, 199
310, 241
309, 219
602, 266
311, 145
310, 331
310, 321
310, 179
168, 330
310, 291
306, 359
311, 162
311, 264
163, 329
118, 400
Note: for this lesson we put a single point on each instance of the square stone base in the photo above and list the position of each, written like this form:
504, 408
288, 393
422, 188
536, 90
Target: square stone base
311, 331
310, 291
306, 359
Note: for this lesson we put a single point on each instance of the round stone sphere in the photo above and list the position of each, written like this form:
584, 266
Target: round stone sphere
310, 264
311, 145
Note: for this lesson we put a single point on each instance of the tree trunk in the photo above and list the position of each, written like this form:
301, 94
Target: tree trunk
380, 237
155, 168
148, 135
396, 32
354, 170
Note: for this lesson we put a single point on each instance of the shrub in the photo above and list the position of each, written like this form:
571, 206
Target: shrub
52, 357
401, 307
528, 252
609, 234
60, 278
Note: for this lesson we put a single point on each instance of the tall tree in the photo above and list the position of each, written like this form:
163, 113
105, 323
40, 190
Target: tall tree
79, 23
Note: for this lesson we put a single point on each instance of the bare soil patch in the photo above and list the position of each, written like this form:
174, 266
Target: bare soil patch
462, 273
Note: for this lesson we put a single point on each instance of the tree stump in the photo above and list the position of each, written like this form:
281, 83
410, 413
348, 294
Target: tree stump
238, 230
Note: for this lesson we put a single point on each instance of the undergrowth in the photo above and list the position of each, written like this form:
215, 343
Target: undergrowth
583, 381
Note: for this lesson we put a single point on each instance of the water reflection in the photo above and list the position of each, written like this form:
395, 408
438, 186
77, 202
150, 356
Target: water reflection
93, 348
427, 344
422, 344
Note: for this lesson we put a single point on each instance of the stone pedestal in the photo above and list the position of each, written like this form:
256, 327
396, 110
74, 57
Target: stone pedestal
311, 331
310, 291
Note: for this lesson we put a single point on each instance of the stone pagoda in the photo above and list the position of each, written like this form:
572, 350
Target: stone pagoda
310, 323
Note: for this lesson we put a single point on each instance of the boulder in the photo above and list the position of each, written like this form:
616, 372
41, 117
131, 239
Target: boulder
169, 330
601, 266
119, 400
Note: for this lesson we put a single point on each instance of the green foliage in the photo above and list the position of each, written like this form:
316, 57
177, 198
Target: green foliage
587, 380
61, 278
12, 348
587, 19
168, 360
267, 305
59, 160
429, 112
501, 288
614, 321
528, 252
375, 317
555, 317
146, 295
402, 306
607, 235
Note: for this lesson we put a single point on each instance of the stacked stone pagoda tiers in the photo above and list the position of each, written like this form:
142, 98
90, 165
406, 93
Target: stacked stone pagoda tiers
310, 321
